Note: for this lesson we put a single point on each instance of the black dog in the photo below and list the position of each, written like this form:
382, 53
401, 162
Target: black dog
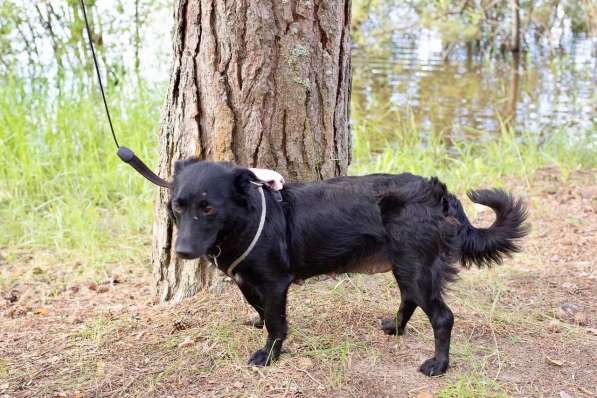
401, 223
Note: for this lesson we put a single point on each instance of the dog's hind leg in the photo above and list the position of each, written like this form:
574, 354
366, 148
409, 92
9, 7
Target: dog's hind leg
396, 326
418, 242
442, 320
430, 283
420, 286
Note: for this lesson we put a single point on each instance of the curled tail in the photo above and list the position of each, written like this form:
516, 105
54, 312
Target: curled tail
488, 246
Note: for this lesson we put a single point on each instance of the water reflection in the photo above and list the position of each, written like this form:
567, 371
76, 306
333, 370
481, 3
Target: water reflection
466, 97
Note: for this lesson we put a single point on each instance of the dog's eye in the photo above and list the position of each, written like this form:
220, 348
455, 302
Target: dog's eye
208, 210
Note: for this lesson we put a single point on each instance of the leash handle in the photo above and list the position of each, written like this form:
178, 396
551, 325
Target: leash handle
128, 156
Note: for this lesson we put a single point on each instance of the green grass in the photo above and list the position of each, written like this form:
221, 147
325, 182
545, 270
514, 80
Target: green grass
473, 386
63, 189
3, 368
97, 330
61, 185
472, 163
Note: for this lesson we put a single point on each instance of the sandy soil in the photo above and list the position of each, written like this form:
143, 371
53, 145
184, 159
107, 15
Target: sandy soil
527, 328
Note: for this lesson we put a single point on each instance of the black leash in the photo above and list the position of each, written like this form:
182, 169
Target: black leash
124, 153
99, 77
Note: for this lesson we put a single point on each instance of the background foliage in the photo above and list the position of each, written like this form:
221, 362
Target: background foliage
479, 25
63, 188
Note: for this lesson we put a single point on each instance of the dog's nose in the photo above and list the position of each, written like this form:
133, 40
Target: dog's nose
189, 250
184, 252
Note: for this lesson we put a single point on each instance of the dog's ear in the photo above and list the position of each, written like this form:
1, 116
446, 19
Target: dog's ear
181, 164
242, 179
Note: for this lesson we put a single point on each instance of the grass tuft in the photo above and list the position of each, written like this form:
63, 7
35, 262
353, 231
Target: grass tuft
472, 163
473, 386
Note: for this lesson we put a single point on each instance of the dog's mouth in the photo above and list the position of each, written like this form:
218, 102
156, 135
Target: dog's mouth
213, 252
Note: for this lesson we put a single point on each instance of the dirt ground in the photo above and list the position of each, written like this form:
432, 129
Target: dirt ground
527, 328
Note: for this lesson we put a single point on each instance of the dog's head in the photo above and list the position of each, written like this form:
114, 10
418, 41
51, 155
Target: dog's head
208, 198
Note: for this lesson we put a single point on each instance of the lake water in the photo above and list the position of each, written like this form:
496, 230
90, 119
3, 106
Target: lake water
408, 79
468, 97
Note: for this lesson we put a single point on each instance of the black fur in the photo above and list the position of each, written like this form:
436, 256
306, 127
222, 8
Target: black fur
346, 224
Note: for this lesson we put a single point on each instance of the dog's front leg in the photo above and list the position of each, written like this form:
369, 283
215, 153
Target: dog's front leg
253, 298
274, 300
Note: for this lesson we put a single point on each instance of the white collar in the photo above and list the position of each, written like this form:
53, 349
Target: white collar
236, 262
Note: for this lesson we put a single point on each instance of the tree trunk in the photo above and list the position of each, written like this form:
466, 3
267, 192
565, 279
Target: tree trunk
264, 83
515, 44
512, 103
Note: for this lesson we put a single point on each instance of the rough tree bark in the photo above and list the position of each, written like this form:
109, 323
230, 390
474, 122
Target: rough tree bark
515, 40
265, 83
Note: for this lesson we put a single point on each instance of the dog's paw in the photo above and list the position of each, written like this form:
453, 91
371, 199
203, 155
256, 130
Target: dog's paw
260, 358
255, 321
434, 367
389, 326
